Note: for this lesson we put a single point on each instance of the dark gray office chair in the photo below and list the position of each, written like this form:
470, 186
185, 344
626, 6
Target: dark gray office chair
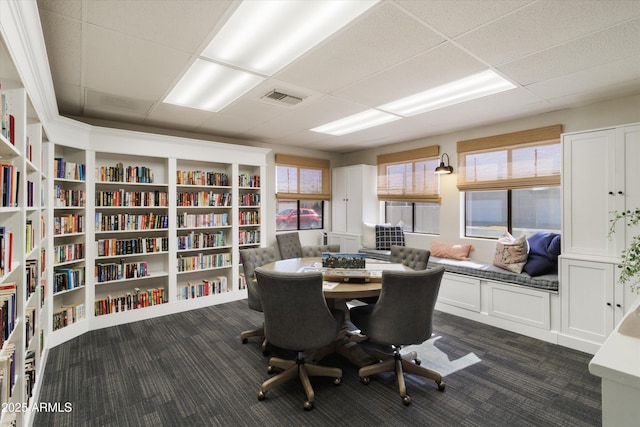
296, 318
289, 245
251, 259
414, 258
315, 251
402, 316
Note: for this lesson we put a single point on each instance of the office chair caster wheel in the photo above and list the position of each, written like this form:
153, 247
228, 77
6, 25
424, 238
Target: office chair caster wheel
337, 381
308, 406
441, 385
418, 362
261, 395
406, 400
364, 380
270, 370
245, 340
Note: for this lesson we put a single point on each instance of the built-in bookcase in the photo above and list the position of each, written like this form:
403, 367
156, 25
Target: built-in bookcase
22, 240
131, 229
69, 275
49, 229
249, 211
204, 218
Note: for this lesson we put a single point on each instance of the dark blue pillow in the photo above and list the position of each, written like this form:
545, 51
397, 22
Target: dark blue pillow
544, 249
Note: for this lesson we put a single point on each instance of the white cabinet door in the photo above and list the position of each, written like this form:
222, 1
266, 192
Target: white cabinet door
353, 198
629, 147
339, 200
589, 192
588, 305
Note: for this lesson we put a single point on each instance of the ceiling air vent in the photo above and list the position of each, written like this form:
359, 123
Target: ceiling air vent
282, 97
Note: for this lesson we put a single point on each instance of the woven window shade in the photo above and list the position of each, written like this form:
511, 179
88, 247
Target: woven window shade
408, 176
524, 159
302, 178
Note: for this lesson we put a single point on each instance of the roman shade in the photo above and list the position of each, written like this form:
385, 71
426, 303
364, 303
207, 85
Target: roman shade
525, 159
408, 176
300, 178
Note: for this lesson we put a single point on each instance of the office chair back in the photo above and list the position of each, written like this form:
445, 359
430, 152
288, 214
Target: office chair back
416, 259
403, 314
315, 251
289, 245
296, 316
251, 259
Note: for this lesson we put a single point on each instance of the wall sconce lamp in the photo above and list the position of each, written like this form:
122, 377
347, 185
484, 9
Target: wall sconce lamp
442, 169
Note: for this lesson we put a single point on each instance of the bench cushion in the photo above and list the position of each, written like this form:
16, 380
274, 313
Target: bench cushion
548, 282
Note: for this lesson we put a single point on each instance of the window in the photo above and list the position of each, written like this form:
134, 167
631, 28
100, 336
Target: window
410, 189
511, 183
414, 217
302, 186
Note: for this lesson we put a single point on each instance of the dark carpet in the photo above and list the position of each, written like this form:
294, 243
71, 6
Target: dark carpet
190, 369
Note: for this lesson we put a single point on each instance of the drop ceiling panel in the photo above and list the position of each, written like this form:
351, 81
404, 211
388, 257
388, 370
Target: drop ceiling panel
66, 61
544, 24
373, 43
625, 71
69, 8
439, 65
468, 14
597, 49
133, 18
114, 56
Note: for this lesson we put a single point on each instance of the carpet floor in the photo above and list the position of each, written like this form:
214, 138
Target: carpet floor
190, 369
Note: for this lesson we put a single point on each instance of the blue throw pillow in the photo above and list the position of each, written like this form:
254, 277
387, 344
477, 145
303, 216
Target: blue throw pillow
544, 249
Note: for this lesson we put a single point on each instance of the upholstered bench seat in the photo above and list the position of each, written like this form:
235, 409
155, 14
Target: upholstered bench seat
379, 254
548, 282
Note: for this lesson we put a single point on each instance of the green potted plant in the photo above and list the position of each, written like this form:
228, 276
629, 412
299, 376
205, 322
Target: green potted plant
630, 257
629, 269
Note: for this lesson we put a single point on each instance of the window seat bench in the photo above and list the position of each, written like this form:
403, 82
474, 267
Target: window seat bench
547, 282
495, 296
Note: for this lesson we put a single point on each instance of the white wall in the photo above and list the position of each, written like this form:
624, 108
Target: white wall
610, 113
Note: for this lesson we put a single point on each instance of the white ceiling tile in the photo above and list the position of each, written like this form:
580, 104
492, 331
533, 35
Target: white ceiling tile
111, 58
442, 64
69, 98
545, 24
606, 46
468, 14
191, 21
69, 8
65, 34
625, 71
376, 41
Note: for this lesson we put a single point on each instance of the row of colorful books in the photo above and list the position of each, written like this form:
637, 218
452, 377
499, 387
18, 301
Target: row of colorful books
120, 173
197, 177
130, 301
63, 169
203, 261
67, 315
188, 220
216, 285
9, 185
6, 250
140, 245
131, 198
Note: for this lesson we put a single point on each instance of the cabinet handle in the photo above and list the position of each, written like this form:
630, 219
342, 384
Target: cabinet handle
611, 193
609, 304
620, 192
618, 305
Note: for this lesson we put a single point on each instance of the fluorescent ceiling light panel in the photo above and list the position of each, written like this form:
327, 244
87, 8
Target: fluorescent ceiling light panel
211, 87
265, 36
475, 86
366, 119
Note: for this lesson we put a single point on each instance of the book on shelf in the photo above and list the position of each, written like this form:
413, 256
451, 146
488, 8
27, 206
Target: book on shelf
7, 371
7, 310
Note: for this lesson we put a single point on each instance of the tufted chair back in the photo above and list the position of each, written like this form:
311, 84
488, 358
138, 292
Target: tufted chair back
414, 258
289, 245
315, 251
251, 259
